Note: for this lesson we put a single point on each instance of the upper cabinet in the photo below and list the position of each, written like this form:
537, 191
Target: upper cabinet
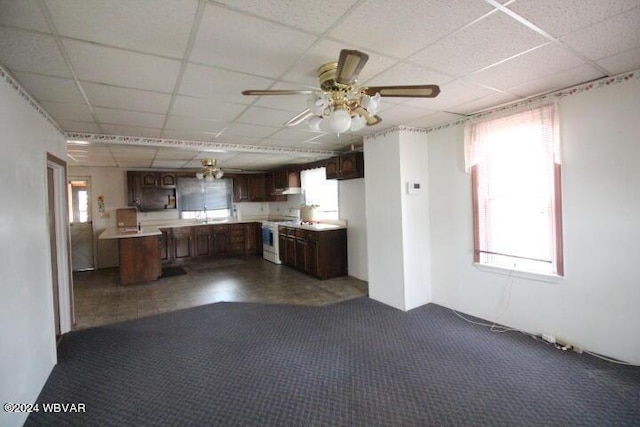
158, 179
249, 188
347, 166
151, 191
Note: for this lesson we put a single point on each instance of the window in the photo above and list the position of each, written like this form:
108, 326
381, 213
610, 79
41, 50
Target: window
318, 190
201, 198
515, 168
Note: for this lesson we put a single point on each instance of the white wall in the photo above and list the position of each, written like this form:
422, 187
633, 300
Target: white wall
596, 305
415, 218
27, 333
384, 220
352, 208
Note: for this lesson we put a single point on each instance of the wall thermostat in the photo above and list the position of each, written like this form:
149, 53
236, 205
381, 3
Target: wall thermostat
413, 188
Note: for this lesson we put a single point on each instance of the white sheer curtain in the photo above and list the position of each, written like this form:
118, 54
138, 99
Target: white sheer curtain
318, 190
486, 137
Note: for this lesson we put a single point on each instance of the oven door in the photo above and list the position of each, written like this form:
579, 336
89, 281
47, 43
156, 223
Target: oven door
267, 238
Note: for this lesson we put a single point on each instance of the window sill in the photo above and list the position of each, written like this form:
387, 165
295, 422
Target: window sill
540, 277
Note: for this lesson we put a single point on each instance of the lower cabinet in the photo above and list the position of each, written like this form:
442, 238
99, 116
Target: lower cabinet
322, 254
139, 259
220, 240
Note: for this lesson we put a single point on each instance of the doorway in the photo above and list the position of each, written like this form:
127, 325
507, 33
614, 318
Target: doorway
80, 223
62, 288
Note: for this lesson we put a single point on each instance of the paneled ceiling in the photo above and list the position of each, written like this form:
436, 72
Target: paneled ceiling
175, 69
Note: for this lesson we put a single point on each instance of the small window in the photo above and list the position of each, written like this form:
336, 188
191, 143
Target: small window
320, 191
515, 168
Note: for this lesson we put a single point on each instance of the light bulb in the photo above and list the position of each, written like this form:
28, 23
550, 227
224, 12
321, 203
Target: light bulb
314, 123
357, 123
208, 178
340, 121
219, 174
199, 175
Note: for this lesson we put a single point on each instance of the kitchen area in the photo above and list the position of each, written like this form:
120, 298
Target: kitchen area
266, 218
271, 250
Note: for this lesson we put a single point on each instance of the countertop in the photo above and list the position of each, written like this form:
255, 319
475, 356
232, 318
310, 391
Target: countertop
125, 233
315, 227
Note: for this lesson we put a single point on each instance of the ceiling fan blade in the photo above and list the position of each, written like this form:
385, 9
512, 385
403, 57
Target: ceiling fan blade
419, 91
371, 119
260, 92
299, 118
350, 64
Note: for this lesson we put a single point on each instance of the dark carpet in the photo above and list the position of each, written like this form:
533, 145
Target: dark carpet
356, 363
172, 271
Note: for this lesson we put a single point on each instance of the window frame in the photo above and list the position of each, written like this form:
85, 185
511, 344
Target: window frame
556, 212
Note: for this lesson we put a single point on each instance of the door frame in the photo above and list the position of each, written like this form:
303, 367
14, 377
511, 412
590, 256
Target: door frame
94, 245
63, 242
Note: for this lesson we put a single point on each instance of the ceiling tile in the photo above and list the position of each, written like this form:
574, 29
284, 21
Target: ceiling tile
160, 27
451, 94
248, 50
557, 81
309, 15
409, 74
193, 124
243, 140
221, 85
408, 26
73, 126
237, 129
66, 111
168, 163
562, 17
298, 133
174, 154
23, 14
333, 139
48, 88
122, 68
265, 116
484, 103
549, 59
479, 45
623, 62
101, 95
206, 108
188, 135
305, 69
398, 114
130, 131
32, 52
136, 164
129, 118
435, 119
614, 35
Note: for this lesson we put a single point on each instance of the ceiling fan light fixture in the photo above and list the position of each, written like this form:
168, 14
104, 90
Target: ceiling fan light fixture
340, 121
209, 170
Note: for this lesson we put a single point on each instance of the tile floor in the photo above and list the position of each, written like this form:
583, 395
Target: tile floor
100, 300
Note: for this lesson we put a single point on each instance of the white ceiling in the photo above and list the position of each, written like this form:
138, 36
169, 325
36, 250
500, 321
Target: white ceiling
175, 69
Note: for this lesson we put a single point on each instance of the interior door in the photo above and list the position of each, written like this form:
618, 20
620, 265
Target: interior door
81, 224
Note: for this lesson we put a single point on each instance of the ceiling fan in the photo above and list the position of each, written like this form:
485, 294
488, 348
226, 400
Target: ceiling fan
340, 104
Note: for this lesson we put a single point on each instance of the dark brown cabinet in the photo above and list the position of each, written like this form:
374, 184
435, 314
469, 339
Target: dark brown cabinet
139, 259
237, 243
347, 166
270, 187
322, 254
151, 191
165, 245
182, 242
249, 188
179, 244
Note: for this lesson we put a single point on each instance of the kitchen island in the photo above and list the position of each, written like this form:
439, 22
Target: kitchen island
139, 253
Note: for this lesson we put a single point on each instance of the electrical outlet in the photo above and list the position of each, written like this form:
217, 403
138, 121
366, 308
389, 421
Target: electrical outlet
549, 338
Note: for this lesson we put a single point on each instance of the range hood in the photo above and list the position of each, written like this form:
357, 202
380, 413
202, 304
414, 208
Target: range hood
285, 191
